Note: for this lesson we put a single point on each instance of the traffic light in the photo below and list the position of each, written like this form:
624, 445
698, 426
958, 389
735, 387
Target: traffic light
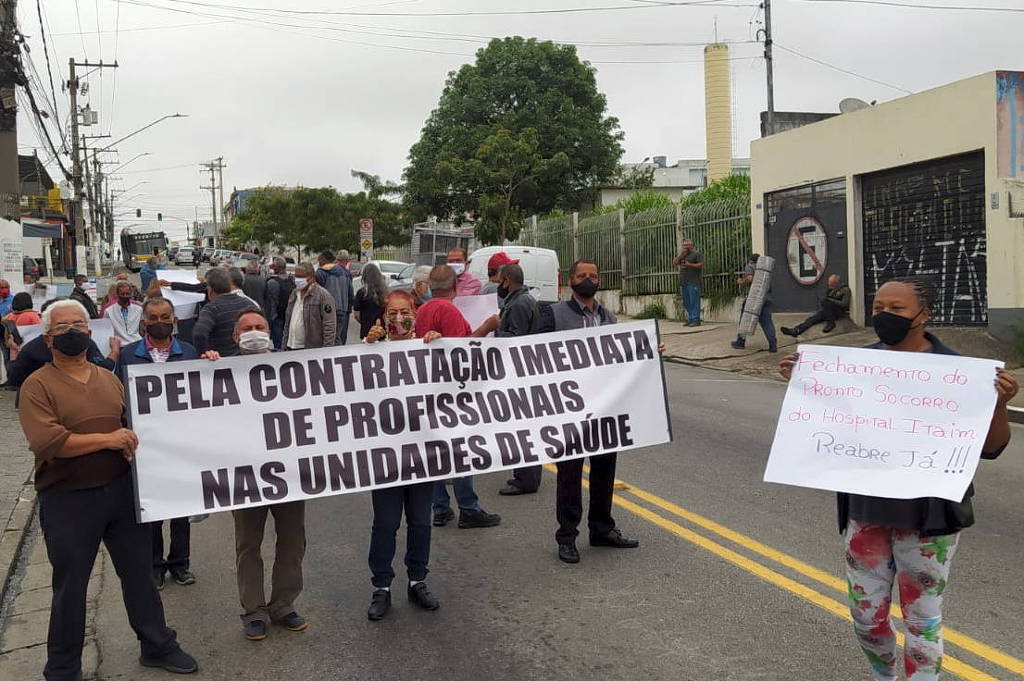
159, 216
138, 212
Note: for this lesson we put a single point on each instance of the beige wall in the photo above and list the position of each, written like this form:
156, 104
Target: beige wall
953, 119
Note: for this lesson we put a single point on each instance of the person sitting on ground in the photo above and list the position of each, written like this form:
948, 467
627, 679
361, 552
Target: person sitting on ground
251, 335
389, 503
159, 345
833, 307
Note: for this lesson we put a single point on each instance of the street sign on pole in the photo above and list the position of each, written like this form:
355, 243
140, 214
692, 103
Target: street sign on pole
366, 239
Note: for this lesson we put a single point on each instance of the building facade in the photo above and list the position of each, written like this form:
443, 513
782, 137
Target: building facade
930, 185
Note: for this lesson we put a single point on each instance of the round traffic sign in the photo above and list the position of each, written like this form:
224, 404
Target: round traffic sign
807, 251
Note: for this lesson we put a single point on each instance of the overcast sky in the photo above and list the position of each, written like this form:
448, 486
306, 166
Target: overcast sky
300, 99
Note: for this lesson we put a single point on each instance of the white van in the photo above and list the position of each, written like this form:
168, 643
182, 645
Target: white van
540, 268
185, 254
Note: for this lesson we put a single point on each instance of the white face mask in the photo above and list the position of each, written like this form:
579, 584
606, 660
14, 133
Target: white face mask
459, 268
251, 342
301, 283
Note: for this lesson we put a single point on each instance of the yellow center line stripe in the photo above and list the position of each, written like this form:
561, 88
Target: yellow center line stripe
838, 609
952, 636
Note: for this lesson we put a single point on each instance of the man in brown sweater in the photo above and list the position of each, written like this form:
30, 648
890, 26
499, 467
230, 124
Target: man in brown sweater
71, 412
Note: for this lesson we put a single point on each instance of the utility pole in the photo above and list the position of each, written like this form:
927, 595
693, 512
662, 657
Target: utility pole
216, 168
75, 217
768, 66
10, 80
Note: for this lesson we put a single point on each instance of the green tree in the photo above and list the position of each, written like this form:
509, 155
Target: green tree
515, 84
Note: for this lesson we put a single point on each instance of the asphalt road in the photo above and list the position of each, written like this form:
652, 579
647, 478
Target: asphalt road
746, 589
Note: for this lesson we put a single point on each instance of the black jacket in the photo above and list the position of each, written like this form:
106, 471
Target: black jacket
520, 315
216, 324
36, 353
87, 302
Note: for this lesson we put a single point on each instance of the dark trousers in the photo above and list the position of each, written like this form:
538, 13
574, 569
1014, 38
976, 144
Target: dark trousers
342, 333
181, 539
569, 497
826, 313
286, 580
764, 319
74, 523
527, 478
277, 332
388, 505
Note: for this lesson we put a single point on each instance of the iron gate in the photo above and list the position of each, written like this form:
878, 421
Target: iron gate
928, 219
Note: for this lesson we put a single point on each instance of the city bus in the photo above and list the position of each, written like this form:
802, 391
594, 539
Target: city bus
137, 247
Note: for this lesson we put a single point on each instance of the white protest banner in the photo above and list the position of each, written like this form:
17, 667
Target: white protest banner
184, 302
477, 309
900, 425
101, 329
261, 429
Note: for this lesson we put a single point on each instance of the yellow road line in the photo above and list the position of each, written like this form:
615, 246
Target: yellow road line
952, 636
838, 609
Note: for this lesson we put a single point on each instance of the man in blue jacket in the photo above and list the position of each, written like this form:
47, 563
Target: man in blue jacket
149, 269
158, 344
334, 276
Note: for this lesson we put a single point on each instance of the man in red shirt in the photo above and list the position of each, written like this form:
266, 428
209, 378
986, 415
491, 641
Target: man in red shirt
440, 314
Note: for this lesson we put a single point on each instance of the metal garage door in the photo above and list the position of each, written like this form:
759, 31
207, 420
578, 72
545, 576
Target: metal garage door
929, 219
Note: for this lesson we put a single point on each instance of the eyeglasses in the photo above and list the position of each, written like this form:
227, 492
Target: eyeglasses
58, 329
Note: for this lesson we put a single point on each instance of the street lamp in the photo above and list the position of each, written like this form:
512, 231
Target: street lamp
145, 127
146, 153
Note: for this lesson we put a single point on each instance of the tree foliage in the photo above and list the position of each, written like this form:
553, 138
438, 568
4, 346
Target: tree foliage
638, 202
733, 187
319, 218
485, 117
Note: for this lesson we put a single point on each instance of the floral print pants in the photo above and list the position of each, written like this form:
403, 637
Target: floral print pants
876, 558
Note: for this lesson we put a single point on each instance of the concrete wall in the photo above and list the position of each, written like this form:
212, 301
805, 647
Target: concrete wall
953, 119
632, 305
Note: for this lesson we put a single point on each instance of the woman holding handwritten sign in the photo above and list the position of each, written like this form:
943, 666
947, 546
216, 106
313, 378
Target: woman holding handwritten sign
909, 542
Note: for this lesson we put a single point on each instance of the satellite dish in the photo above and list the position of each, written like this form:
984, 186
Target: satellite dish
851, 104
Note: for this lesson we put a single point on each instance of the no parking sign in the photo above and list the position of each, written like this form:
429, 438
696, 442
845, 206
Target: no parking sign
807, 251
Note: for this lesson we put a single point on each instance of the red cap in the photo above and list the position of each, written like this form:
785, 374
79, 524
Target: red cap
499, 259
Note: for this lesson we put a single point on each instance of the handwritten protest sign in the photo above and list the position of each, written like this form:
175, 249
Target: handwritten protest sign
268, 428
900, 425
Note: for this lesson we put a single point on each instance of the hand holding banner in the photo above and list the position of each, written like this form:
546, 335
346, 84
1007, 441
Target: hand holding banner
900, 425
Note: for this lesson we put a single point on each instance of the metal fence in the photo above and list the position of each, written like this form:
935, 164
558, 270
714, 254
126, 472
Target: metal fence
399, 253
635, 253
430, 244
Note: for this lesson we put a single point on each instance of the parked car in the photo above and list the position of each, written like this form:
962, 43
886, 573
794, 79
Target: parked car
219, 256
403, 280
242, 260
172, 253
206, 253
540, 268
389, 268
186, 255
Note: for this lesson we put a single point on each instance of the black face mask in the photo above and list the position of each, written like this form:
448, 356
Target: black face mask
71, 343
585, 289
160, 330
891, 328
502, 292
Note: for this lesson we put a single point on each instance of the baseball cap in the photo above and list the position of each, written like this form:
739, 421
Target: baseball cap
499, 259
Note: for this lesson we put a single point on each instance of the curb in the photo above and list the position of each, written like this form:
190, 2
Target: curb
12, 541
1016, 414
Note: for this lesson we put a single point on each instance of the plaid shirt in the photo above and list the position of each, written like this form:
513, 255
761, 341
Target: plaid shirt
156, 353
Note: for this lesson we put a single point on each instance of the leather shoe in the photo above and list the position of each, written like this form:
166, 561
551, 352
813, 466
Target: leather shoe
421, 596
738, 344
380, 603
511, 490
829, 326
568, 553
478, 517
614, 539
442, 518
790, 332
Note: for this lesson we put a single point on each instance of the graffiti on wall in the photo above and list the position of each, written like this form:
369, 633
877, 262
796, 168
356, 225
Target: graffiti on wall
1010, 123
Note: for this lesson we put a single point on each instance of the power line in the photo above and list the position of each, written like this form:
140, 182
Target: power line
117, 38
78, 14
913, 5
842, 70
46, 51
146, 28
564, 10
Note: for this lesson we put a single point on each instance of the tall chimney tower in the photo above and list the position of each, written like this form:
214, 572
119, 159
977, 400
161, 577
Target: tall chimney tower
718, 111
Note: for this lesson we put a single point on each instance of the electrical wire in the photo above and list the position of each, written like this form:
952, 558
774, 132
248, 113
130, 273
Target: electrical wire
913, 5
117, 37
842, 70
78, 14
46, 52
